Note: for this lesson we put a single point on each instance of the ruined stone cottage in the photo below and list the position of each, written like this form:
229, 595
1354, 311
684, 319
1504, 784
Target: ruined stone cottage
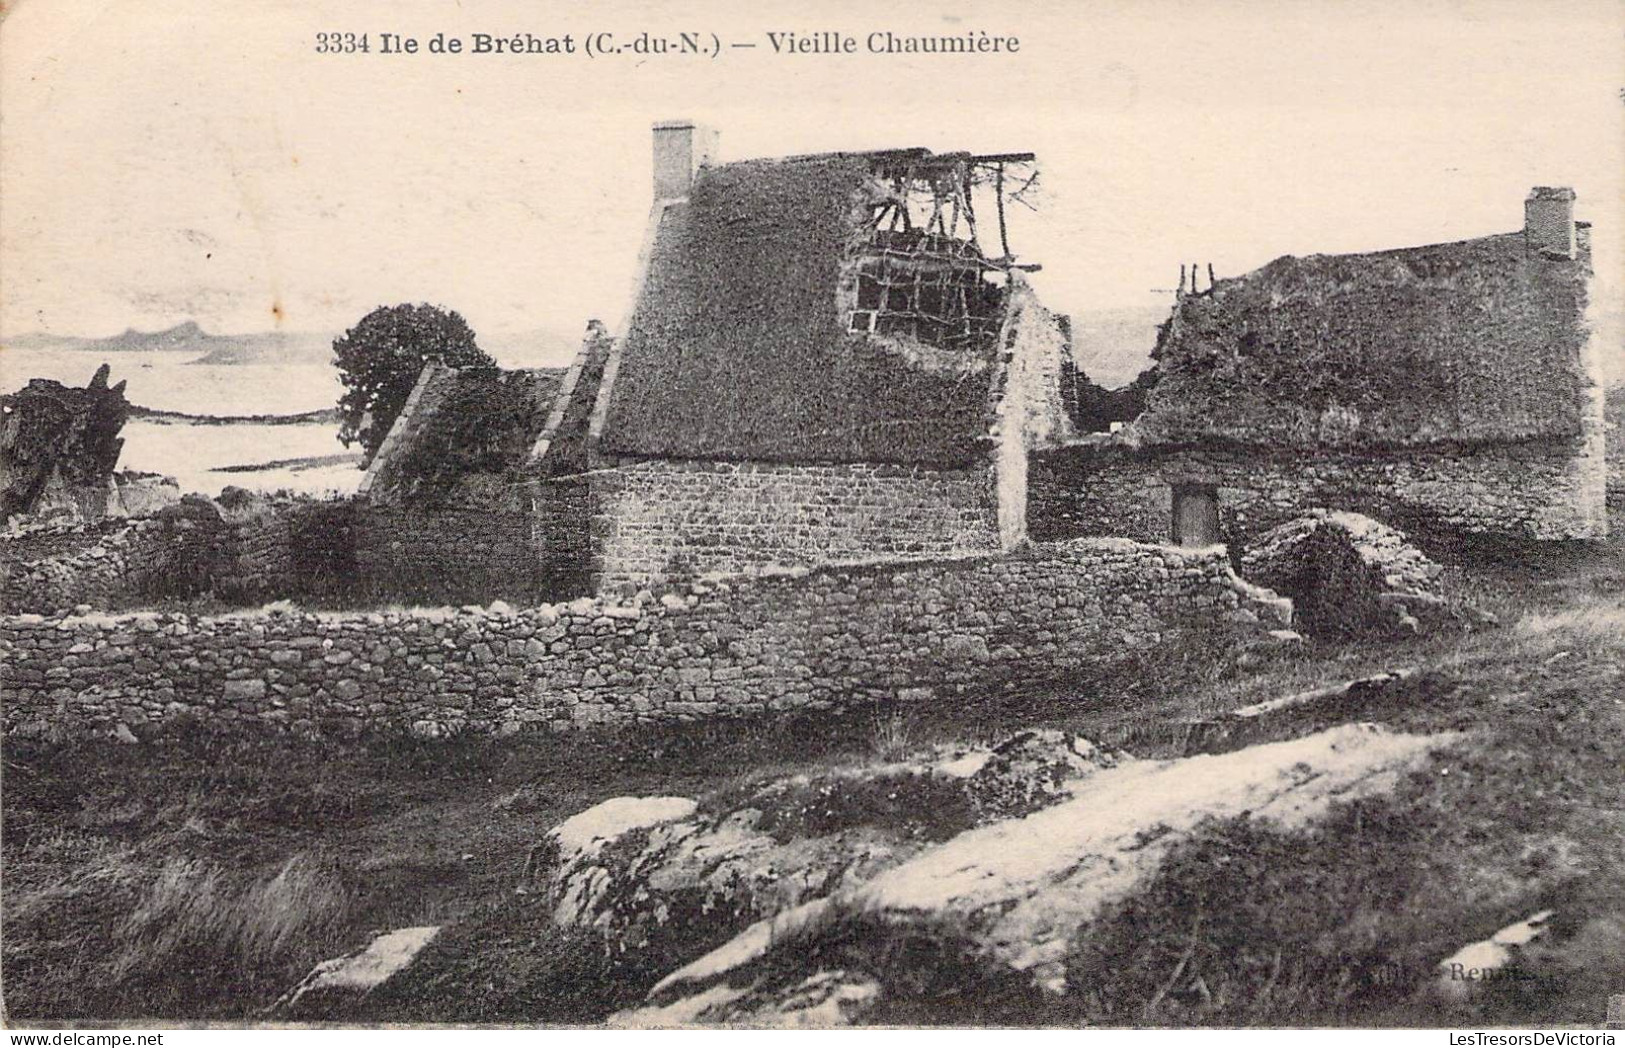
59, 452
1452, 386
823, 363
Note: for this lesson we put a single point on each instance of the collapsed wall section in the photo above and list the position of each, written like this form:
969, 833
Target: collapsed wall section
669, 519
820, 640
256, 550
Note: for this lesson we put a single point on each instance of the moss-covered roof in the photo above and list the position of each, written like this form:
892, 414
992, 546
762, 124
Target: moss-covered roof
467, 438
737, 347
562, 447
1474, 341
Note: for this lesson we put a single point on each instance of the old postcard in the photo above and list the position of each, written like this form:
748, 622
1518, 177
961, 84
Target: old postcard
1056, 515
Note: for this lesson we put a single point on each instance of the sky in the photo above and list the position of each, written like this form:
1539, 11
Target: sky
198, 159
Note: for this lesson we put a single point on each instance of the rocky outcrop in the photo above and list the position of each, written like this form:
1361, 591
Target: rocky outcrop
1349, 574
638, 868
59, 446
1009, 896
1033, 770
1464, 973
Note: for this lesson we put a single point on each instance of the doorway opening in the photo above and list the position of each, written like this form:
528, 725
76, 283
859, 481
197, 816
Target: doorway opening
1196, 516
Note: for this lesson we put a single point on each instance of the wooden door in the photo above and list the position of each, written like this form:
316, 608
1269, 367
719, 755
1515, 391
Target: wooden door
1196, 517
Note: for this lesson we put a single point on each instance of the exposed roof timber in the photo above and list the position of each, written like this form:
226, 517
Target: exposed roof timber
920, 158
873, 154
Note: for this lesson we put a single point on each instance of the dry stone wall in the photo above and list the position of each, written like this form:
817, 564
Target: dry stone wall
748, 645
252, 550
447, 555
106, 565
662, 519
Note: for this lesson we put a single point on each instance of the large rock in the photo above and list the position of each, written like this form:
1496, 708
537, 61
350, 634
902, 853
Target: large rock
1032, 770
1463, 975
1012, 894
144, 494
335, 984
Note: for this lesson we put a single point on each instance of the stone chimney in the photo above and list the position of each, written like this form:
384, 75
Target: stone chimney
681, 148
1548, 221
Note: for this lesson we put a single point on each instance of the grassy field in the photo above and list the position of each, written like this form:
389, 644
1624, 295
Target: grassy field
200, 881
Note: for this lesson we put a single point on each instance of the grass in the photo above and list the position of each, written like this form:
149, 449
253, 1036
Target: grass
198, 881
1343, 922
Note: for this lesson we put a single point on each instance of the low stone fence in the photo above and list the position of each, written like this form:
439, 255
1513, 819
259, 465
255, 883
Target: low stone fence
742, 646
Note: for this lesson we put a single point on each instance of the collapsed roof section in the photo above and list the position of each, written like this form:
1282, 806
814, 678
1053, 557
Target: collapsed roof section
832, 308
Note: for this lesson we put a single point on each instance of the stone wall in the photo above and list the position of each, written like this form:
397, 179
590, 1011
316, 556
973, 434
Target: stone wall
178, 553
59, 567
822, 639
246, 549
1540, 490
561, 510
252, 550
655, 519
444, 555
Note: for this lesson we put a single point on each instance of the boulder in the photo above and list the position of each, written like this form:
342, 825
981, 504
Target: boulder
65, 439
1033, 770
1461, 976
641, 869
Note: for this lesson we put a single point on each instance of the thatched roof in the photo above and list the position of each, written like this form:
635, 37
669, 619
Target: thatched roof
561, 449
737, 347
465, 437
1480, 340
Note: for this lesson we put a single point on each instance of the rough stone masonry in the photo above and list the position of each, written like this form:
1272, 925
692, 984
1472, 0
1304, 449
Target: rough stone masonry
812, 640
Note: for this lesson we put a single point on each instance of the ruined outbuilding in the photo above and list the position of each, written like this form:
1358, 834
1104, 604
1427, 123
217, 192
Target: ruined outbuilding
1452, 386
59, 447
1349, 575
446, 508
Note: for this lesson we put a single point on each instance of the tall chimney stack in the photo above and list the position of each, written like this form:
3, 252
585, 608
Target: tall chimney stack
681, 148
1548, 221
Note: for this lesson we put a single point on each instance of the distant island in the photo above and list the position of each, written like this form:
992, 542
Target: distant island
264, 347
537, 348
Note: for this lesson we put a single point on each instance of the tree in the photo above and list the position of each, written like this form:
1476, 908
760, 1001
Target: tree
379, 361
